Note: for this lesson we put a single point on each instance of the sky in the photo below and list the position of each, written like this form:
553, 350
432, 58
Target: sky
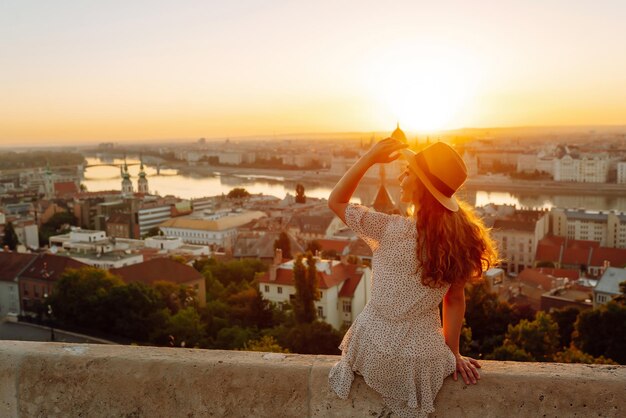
73, 71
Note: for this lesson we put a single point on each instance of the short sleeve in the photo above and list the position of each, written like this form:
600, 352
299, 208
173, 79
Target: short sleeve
368, 224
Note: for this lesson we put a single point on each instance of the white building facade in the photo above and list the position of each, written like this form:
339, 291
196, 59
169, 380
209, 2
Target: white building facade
344, 289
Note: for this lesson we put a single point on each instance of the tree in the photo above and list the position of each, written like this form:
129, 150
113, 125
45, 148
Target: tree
175, 296
234, 271
306, 290
300, 197
487, 317
59, 223
152, 232
80, 295
602, 332
136, 311
540, 338
10, 237
266, 343
565, 318
574, 355
284, 244
238, 193
248, 308
313, 338
536, 340
313, 246
186, 328
510, 352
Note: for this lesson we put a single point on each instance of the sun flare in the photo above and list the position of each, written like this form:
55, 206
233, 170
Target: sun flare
424, 93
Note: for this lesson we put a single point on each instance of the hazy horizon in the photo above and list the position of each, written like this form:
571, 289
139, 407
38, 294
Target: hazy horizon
523, 131
147, 71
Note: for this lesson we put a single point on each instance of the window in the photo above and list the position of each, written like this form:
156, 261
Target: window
320, 312
347, 306
267, 289
280, 290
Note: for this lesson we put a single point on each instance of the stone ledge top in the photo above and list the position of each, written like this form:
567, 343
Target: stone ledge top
60, 379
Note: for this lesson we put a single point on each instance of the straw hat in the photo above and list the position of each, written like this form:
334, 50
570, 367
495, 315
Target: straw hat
441, 169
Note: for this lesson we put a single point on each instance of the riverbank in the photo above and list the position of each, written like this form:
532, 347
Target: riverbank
486, 183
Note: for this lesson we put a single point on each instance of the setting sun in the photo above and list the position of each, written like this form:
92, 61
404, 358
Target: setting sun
423, 89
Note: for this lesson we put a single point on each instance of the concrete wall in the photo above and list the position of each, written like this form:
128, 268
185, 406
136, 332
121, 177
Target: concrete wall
63, 380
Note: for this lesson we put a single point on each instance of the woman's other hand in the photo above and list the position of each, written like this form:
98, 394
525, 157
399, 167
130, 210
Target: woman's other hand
468, 368
385, 151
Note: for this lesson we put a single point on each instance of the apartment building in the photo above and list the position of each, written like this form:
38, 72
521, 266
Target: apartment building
607, 228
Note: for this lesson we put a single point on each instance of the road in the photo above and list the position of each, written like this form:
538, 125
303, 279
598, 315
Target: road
29, 332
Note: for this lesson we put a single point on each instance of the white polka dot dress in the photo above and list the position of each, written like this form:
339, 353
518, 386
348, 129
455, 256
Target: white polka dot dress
396, 343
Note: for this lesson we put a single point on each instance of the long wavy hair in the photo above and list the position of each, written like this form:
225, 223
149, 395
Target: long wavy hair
452, 247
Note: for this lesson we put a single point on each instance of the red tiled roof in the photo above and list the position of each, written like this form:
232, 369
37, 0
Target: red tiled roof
340, 273
158, 269
11, 264
333, 244
349, 286
571, 274
576, 255
535, 278
50, 267
65, 187
615, 256
360, 248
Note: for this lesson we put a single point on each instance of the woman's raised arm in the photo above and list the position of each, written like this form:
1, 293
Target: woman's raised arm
382, 152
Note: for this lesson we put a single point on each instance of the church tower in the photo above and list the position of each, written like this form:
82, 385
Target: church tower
127, 185
142, 183
48, 182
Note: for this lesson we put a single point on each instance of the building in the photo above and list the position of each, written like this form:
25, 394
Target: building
142, 183
121, 225
27, 232
518, 235
583, 168
344, 288
165, 270
219, 231
37, 280
175, 245
586, 256
621, 172
260, 245
127, 185
95, 249
608, 286
152, 214
309, 227
606, 228
12, 264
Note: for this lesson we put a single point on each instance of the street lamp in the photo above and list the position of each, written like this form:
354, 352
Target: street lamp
45, 296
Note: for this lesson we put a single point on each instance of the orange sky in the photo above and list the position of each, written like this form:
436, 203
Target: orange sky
72, 71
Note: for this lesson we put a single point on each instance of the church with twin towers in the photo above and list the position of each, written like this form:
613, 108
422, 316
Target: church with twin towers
127, 184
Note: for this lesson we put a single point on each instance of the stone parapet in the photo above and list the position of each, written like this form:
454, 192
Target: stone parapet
71, 380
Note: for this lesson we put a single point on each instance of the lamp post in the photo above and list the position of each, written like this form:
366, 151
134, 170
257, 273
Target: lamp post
45, 296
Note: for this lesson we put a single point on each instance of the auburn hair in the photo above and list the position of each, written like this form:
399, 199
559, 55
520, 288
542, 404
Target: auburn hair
452, 247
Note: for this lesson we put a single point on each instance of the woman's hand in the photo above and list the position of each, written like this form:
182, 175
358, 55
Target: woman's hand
468, 367
385, 151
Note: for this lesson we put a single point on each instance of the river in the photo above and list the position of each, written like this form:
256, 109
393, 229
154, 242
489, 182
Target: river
171, 182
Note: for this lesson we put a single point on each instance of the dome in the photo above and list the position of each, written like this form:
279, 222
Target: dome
399, 134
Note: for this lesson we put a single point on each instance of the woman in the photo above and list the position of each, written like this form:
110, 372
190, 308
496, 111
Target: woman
397, 343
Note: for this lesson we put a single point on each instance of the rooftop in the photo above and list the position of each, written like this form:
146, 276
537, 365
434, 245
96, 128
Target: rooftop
610, 280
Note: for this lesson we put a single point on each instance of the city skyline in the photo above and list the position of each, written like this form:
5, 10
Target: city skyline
75, 72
